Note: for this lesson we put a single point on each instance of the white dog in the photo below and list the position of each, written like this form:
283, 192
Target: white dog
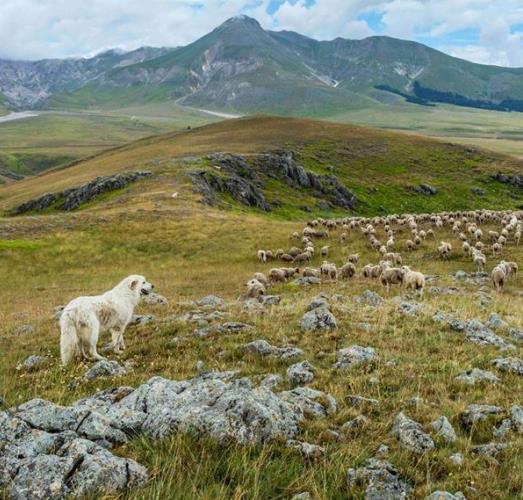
85, 317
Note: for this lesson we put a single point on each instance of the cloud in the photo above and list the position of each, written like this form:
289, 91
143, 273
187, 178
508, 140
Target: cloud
33, 29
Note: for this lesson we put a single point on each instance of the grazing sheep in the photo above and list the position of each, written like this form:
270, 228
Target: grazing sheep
329, 270
478, 234
310, 272
479, 260
262, 256
353, 258
498, 276
444, 249
392, 276
496, 249
255, 289
269, 255
348, 270
479, 246
343, 237
409, 245
517, 237
277, 275
324, 251
286, 257
466, 248
294, 251
303, 257
261, 278
430, 234
414, 280
290, 271
511, 268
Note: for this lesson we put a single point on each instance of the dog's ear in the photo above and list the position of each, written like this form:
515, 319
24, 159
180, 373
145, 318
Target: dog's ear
133, 284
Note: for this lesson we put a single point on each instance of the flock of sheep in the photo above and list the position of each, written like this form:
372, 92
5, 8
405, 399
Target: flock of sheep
390, 269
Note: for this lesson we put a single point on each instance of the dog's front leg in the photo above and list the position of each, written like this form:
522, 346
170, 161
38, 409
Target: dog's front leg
117, 340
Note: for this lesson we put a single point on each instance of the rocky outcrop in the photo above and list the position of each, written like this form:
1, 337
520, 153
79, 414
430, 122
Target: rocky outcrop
71, 199
244, 180
514, 180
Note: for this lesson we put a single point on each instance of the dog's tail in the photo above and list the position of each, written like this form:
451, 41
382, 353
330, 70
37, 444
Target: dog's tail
69, 341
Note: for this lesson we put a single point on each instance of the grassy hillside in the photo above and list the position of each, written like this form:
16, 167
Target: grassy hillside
189, 250
380, 167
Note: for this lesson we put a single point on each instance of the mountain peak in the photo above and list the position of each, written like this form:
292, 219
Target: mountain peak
242, 19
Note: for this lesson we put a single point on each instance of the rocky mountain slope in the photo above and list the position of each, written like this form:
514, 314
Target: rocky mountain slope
241, 66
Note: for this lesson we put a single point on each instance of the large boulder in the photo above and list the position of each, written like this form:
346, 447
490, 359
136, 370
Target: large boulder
319, 318
411, 435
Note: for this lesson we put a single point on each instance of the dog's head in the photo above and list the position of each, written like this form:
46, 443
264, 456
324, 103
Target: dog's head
139, 284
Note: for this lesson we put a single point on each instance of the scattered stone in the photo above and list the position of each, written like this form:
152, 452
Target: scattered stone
380, 479
354, 355
478, 413
310, 452
516, 334
479, 334
155, 299
141, 319
479, 191
496, 322
318, 319
302, 496
364, 326
470, 377
300, 373
310, 401
105, 368
272, 380
382, 450
411, 435
318, 301
503, 429
355, 424
269, 300
263, 348
444, 429
490, 449
436, 290
425, 189
369, 298
307, 280
456, 459
33, 363
210, 301
355, 400
516, 414
509, 365
410, 308
445, 495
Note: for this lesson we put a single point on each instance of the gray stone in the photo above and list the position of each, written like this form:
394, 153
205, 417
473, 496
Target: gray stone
210, 301
302, 496
445, 495
272, 380
300, 373
307, 280
516, 414
369, 298
355, 400
141, 319
443, 290
410, 308
411, 435
105, 368
380, 479
516, 334
503, 429
444, 429
478, 413
33, 363
509, 365
263, 348
310, 452
495, 321
355, 355
269, 300
470, 377
456, 459
310, 401
318, 301
490, 449
318, 319
479, 334
355, 424
155, 299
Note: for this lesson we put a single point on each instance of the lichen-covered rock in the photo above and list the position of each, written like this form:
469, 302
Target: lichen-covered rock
155, 299
476, 375
263, 348
445, 495
310, 401
210, 301
493, 450
411, 435
380, 479
355, 355
479, 412
509, 365
495, 321
33, 363
307, 280
311, 452
319, 301
516, 415
141, 319
369, 298
444, 429
318, 319
357, 401
105, 368
410, 308
300, 373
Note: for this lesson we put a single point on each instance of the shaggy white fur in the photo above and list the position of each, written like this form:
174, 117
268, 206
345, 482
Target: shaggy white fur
85, 317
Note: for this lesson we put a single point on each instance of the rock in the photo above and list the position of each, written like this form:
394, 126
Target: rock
478, 413
495, 321
355, 355
155, 299
355, 400
364, 326
210, 301
269, 300
307, 280
33, 363
470, 377
410, 435
71, 199
311, 401
141, 319
318, 319
302, 496
236, 326
311, 452
456, 459
516, 334
490, 449
380, 479
263, 348
300, 373
460, 275
479, 191
445, 495
509, 365
355, 424
503, 429
319, 301
410, 308
516, 414
105, 368
442, 290
272, 380
425, 189
444, 429
369, 298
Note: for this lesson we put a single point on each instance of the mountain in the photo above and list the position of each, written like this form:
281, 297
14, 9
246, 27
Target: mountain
27, 84
240, 66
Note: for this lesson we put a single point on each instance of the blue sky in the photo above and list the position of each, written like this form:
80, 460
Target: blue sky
486, 31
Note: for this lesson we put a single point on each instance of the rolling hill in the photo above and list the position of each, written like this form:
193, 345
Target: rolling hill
240, 66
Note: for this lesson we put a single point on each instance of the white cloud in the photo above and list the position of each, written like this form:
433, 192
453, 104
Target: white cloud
32, 29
